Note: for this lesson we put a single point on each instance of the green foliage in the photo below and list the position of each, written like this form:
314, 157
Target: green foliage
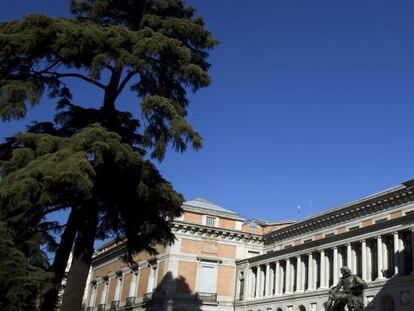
47, 173
157, 47
91, 159
22, 270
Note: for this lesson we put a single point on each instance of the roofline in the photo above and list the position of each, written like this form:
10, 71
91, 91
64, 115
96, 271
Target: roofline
362, 199
200, 210
405, 185
271, 223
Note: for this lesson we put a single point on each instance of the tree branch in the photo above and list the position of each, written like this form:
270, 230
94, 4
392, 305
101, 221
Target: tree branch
125, 81
76, 75
55, 63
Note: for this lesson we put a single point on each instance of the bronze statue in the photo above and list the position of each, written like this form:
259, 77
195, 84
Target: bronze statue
351, 295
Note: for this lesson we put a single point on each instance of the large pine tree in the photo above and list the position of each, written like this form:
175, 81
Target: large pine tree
156, 49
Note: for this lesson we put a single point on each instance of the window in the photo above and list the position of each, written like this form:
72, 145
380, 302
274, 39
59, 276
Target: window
327, 235
288, 246
207, 278
211, 221
252, 229
381, 220
409, 212
307, 241
353, 228
241, 286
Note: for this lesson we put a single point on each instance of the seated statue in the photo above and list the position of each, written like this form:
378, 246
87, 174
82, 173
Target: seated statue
351, 295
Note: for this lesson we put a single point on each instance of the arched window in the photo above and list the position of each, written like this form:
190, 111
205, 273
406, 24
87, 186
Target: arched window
279, 309
302, 308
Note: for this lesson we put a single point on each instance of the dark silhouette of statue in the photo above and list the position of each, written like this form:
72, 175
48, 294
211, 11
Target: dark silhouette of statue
350, 295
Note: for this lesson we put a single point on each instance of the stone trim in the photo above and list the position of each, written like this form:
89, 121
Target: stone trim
337, 216
319, 244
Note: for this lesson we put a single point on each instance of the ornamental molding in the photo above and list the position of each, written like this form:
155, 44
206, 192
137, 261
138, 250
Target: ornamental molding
339, 240
342, 215
216, 233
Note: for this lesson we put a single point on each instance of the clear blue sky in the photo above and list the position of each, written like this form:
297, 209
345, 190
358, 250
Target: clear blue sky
310, 100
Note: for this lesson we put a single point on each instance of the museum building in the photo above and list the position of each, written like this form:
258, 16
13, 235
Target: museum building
221, 261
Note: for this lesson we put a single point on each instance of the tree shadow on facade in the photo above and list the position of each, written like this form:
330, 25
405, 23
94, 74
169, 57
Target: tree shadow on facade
173, 294
396, 294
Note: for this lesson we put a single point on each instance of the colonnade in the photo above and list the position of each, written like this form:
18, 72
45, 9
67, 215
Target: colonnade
375, 258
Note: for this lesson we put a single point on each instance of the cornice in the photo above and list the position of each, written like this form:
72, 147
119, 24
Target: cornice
118, 250
371, 205
206, 211
293, 251
216, 233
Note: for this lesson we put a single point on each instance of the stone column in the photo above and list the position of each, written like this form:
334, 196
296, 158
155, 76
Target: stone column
323, 268
261, 282
379, 256
369, 263
412, 249
335, 265
310, 272
267, 284
298, 274
396, 253
364, 259
277, 278
257, 292
288, 275
349, 256
271, 281
402, 268
246, 283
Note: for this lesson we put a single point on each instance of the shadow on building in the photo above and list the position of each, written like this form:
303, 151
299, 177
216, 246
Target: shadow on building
396, 292
175, 294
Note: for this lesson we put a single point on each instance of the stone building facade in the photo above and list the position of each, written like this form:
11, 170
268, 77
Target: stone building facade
221, 261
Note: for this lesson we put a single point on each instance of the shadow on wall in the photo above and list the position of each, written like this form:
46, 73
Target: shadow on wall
173, 294
397, 292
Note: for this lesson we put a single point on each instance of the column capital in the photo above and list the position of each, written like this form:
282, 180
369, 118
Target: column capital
412, 229
363, 241
335, 247
396, 233
379, 237
322, 251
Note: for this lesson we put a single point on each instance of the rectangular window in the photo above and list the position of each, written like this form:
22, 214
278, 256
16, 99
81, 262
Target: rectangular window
252, 229
327, 235
241, 289
353, 228
288, 246
207, 278
409, 212
210, 221
381, 220
307, 241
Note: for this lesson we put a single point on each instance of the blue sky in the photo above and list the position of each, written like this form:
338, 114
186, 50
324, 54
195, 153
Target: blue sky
310, 101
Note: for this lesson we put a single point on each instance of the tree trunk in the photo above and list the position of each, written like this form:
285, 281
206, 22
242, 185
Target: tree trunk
51, 290
82, 258
111, 93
